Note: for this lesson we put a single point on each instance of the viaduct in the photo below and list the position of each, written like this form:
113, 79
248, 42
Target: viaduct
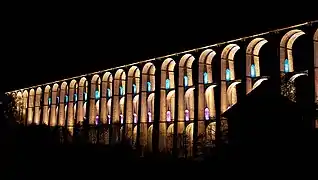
152, 103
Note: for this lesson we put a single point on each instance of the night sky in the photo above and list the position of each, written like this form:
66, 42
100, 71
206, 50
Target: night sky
60, 43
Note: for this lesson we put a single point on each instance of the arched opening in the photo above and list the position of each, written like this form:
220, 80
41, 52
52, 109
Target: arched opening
94, 100
149, 143
185, 94
118, 101
288, 88
252, 62
169, 137
147, 95
25, 96
62, 104
31, 106
53, 103
189, 140
167, 104
133, 88
37, 107
106, 95
81, 97
228, 76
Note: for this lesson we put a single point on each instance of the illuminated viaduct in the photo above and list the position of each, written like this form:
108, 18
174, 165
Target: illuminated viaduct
152, 102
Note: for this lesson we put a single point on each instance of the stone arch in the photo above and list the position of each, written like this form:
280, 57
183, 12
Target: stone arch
62, 104
189, 103
45, 113
227, 65
118, 92
189, 138
147, 88
31, 106
133, 88
25, 97
53, 115
316, 66
286, 49
151, 107
19, 105
185, 70
231, 94
170, 132
167, 103
81, 104
149, 138
206, 100
37, 106
95, 88
210, 132
71, 113
106, 94
252, 62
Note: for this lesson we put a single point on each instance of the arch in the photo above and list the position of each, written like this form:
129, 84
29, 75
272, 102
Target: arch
37, 106
189, 103
227, 57
258, 82
286, 48
150, 107
227, 62
167, 103
295, 76
71, 112
25, 106
209, 100
31, 106
149, 138
186, 61
93, 96
189, 140
231, 93
252, 62
62, 104
210, 132
81, 104
133, 89
106, 94
170, 132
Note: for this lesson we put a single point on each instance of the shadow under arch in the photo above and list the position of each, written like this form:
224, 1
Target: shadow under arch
252, 64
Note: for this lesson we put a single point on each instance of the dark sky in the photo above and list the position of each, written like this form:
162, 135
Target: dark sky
50, 44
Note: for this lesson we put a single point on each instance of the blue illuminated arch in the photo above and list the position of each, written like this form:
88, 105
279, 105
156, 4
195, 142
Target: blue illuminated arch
205, 78
66, 98
253, 71
121, 91
167, 83
75, 97
85, 96
148, 86
108, 92
286, 66
50, 100
227, 74
97, 95
134, 88
185, 81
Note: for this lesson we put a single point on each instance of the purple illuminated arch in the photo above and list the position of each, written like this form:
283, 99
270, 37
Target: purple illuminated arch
168, 116
97, 120
135, 118
121, 119
207, 113
149, 117
108, 118
187, 115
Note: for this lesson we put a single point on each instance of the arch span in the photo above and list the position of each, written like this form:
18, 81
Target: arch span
286, 49
252, 62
